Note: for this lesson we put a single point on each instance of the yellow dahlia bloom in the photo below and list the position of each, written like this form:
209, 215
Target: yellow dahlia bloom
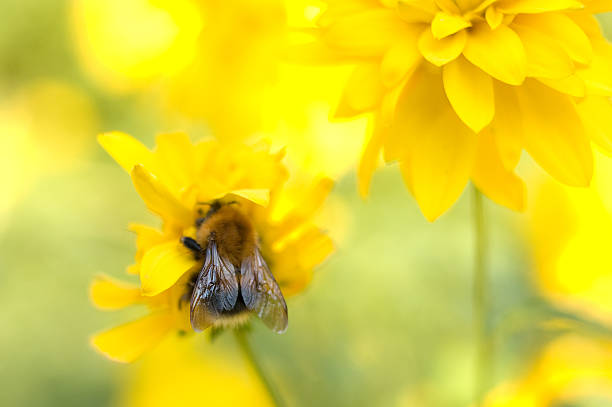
569, 370
459, 88
570, 232
173, 180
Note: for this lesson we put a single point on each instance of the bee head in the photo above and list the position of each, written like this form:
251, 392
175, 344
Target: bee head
215, 205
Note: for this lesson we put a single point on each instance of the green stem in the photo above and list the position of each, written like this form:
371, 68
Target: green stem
480, 301
249, 355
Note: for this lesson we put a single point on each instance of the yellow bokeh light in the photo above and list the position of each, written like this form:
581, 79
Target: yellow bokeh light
45, 127
126, 44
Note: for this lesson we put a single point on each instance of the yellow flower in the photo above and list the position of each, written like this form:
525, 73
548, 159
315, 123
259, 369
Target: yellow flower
214, 61
568, 369
173, 180
180, 374
127, 45
570, 234
459, 88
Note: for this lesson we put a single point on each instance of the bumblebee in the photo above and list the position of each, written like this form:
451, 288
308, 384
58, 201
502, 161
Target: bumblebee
234, 280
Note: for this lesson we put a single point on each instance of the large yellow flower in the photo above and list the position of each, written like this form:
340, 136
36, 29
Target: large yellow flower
172, 180
569, 369
570, 232
460, 88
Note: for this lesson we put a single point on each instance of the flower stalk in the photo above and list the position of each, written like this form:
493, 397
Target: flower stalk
480, 300
249, 355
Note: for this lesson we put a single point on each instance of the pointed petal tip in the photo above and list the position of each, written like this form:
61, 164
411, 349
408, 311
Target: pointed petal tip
127, 342
431, 214
95, 343
106, 293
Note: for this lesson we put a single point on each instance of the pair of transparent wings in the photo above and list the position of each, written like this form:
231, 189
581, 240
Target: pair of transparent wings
217, 289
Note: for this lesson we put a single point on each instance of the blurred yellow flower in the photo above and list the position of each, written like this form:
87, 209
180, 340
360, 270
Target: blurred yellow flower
568, 369
127, 44
459, 89
178, 374
221, 63
172, 180
45, 128
234, 66
571, 231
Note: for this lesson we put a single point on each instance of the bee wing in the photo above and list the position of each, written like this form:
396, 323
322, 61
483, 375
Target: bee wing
261, 293
215, 291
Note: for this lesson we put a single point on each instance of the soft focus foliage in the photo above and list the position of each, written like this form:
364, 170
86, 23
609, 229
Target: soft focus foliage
385, 321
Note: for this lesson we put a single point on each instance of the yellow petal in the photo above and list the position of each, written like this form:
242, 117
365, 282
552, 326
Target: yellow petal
146, 237
573, 85
126, 150
493, 179
417, 11
363, 91
470, 92
389, 100
445, 24
440, 147
507, 126
448, 6
340, 9
175, 154
107, 293
440, 52
537, 6
469, 5
163, 265
563, 30
494, 17
127, 342
399, 61
498, 52
291, 210
588, 23
545, 57
369, 33
315, 197
157, 197
596, 114
314, 53
598, 6
554, 135
259, 197
133, 269
370, 158
315, 248
597, 75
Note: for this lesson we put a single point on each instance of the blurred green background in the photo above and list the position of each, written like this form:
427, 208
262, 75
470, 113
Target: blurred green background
386, 321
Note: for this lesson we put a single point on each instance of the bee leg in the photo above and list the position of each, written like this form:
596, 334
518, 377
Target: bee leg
192, 245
